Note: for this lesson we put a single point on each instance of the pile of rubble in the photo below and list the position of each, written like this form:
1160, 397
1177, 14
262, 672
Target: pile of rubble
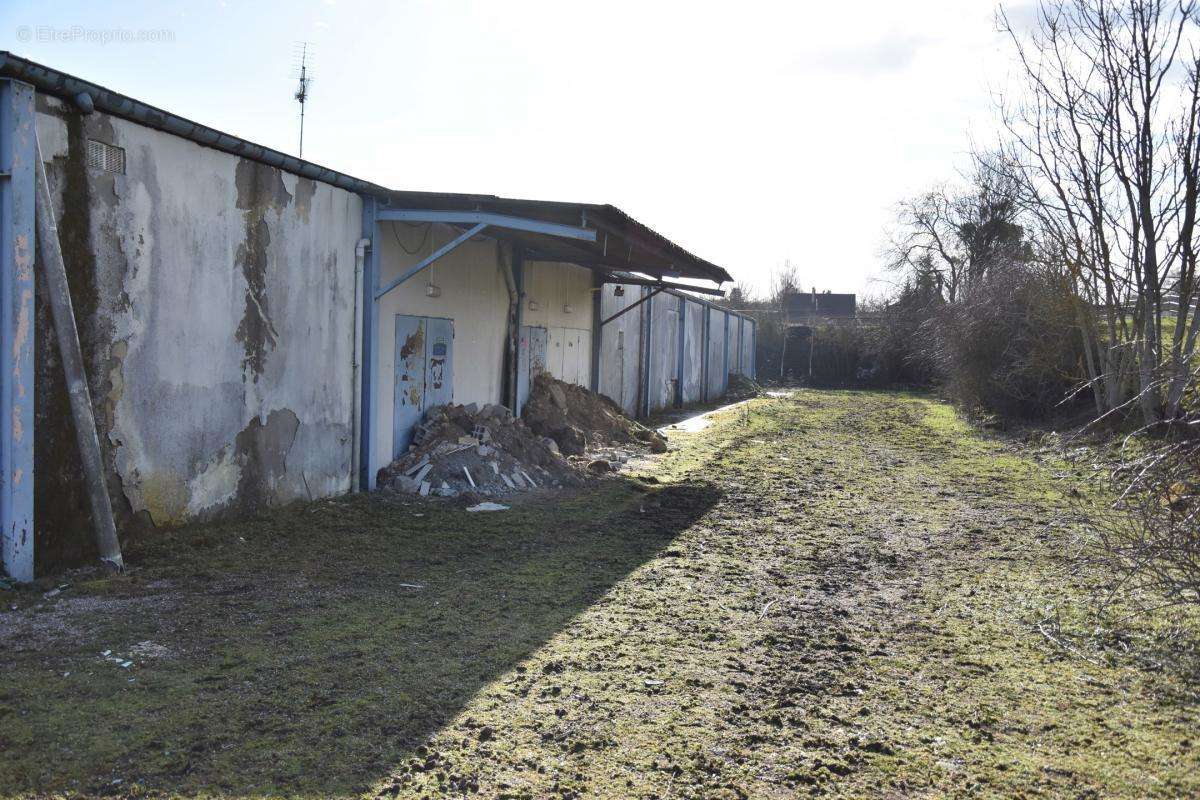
565, 434
459, 449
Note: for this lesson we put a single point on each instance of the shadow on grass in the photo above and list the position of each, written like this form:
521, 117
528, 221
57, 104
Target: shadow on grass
310, 650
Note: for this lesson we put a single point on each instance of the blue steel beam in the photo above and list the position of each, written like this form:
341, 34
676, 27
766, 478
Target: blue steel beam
487, 218
18, 159
432, 257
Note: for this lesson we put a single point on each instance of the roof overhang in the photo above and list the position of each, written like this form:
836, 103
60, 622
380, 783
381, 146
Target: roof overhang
599, 237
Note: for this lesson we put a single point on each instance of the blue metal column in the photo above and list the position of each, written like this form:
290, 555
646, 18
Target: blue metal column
18, 155
370, 337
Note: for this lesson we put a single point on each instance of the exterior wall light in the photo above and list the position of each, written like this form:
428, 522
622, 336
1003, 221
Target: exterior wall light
568, 308
432, 291
533, 305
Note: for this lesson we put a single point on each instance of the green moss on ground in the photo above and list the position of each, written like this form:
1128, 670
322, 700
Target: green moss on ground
832, 593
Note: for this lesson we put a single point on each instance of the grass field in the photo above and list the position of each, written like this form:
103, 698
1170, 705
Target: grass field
833, 593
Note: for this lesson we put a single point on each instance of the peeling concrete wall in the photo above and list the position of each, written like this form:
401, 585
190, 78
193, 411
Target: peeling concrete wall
214, 297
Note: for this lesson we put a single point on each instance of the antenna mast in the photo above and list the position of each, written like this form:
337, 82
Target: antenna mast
301, 94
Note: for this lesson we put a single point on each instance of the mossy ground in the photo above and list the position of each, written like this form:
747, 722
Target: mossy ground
831, 593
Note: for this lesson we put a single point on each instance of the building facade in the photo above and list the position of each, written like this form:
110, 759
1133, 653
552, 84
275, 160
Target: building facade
257, 329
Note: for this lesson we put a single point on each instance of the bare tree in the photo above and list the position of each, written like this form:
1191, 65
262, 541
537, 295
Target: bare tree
952, 238
1103, 146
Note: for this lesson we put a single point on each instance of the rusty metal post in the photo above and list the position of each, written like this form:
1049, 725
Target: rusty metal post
58, 291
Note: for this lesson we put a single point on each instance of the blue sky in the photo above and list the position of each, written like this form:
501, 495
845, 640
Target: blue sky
751, 133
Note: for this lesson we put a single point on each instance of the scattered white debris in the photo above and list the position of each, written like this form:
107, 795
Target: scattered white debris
488, 507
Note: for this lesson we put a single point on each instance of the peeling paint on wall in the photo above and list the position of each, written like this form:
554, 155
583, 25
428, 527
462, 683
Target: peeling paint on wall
215, 304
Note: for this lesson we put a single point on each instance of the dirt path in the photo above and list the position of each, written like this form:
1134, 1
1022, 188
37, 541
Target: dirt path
830, 593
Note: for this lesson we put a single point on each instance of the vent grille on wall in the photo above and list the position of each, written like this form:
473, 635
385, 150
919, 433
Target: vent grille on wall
106, 157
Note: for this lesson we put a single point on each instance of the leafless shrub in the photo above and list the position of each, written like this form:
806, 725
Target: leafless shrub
1009, 345
1149, 538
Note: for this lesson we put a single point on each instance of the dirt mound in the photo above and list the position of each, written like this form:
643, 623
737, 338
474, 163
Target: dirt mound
459, 449
579, 420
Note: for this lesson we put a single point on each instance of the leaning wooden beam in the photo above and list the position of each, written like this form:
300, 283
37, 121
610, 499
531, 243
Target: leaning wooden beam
58, 291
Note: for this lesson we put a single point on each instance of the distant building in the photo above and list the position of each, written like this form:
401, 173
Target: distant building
804, 308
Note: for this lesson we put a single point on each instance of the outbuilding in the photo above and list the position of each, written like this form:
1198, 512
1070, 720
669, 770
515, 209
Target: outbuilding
257, 329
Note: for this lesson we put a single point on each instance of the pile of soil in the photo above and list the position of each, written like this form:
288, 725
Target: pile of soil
578, 420
459, 449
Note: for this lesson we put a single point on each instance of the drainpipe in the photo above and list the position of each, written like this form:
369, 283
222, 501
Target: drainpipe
360, 256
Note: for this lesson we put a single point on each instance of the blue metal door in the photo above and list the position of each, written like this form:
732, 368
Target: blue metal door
424, 373
439, 360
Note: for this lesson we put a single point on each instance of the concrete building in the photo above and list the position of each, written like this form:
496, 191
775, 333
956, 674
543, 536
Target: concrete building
226, 294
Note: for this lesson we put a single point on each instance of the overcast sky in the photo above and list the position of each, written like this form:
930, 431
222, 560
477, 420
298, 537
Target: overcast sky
750, 133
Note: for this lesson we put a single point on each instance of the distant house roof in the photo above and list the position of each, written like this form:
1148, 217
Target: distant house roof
622, 243
821, 305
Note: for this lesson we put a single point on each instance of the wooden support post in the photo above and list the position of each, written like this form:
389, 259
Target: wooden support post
59, 293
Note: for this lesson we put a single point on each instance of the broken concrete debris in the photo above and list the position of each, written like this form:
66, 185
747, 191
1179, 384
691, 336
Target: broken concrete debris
483, 451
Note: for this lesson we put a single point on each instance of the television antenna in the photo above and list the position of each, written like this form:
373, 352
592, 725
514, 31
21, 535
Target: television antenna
305, 75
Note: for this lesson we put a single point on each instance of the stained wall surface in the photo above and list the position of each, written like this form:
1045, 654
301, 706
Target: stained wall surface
215, 302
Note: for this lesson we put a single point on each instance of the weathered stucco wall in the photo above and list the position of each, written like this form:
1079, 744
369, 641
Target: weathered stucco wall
214, 297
